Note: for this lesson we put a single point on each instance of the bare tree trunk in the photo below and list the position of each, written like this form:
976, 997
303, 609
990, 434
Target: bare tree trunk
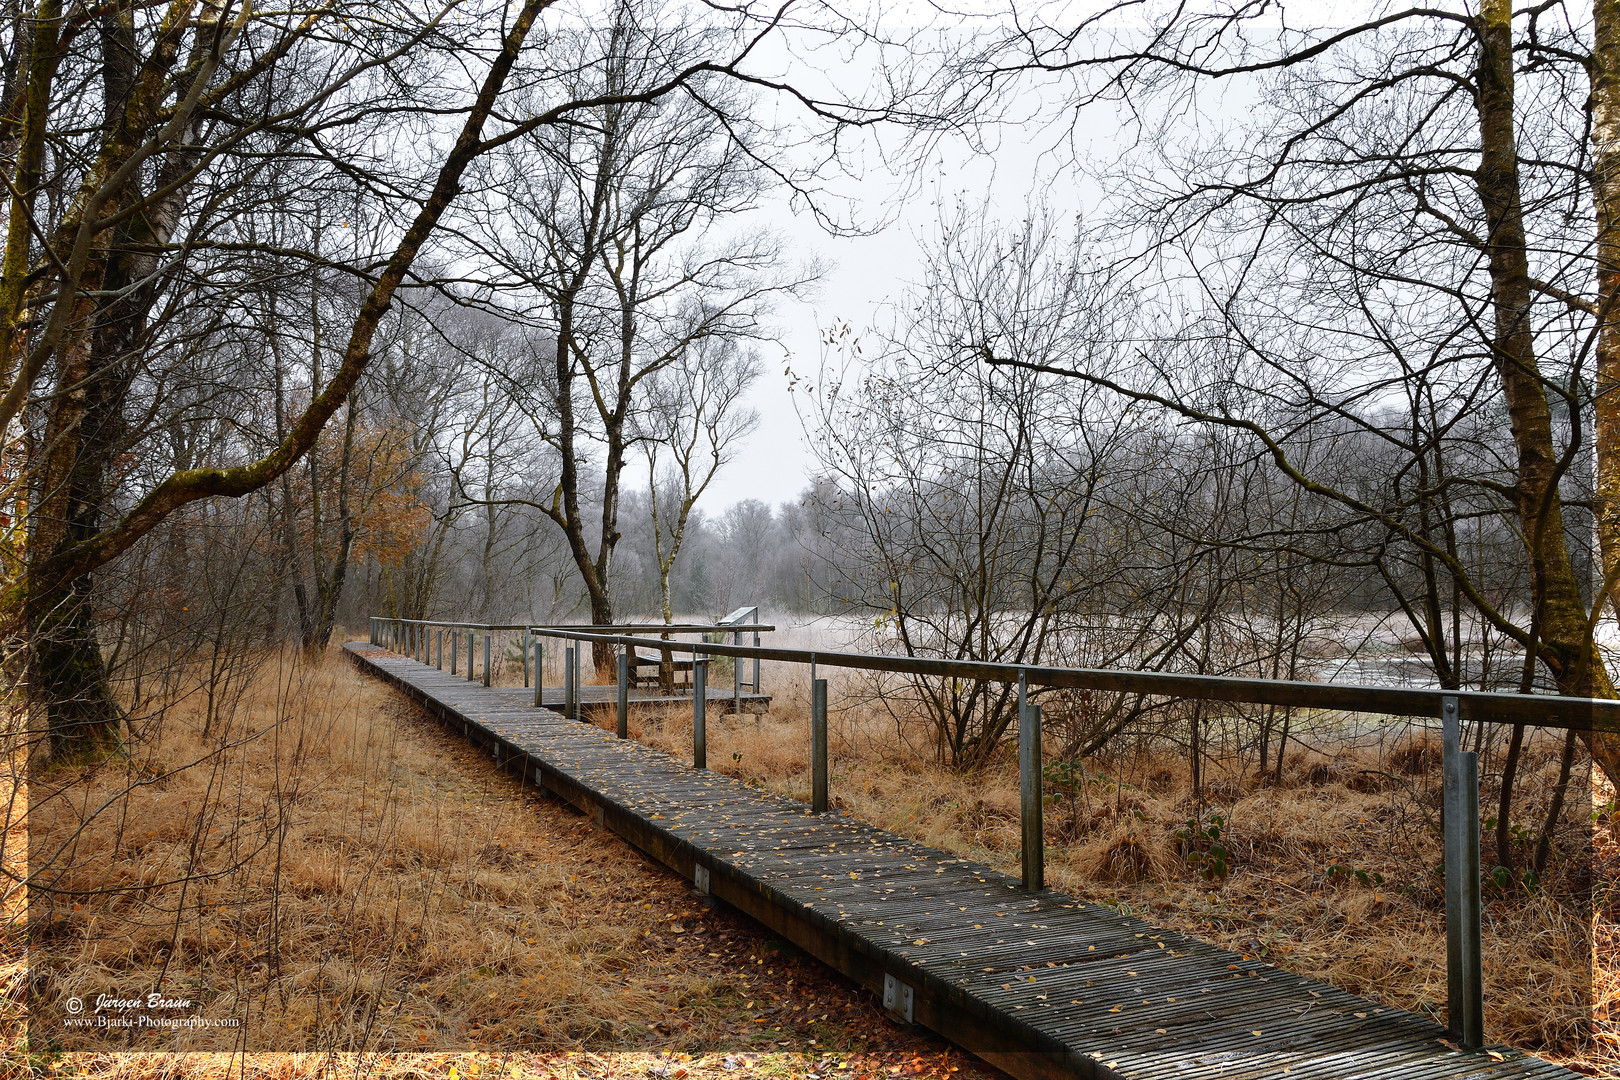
331, 586
291, 560
1605, 81
1556, 809
1566, 644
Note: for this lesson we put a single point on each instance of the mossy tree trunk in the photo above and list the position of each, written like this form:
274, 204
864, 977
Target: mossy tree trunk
1560, 612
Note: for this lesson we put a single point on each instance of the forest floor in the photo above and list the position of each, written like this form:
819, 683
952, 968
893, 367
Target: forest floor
354, 891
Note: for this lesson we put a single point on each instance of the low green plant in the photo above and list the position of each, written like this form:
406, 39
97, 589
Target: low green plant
1339, 872
1201, 846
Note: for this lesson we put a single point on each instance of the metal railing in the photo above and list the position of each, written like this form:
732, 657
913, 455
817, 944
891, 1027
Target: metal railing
425, 640
738, 621
1460, 825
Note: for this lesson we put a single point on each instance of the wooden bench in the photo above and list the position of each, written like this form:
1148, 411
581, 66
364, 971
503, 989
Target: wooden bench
682, 668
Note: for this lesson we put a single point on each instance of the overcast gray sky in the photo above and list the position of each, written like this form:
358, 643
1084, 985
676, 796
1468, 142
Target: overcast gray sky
865, 276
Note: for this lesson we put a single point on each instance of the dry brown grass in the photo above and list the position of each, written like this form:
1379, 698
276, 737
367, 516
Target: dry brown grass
1552, 976
370, 897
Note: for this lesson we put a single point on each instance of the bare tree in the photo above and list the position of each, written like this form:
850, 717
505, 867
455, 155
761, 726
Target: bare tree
1001, 515
691, 427
610, 223
81, 283
1380, 224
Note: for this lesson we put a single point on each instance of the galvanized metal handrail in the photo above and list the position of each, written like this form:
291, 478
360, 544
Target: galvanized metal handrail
1540, 710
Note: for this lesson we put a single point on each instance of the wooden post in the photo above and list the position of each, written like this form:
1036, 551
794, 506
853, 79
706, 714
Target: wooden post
818, 745
736, 676
624, 694
1029, 790
488, 637
525, 658
472, 639
700, 711
568, 682
454, 639
539, 677
438, 648
1465, 984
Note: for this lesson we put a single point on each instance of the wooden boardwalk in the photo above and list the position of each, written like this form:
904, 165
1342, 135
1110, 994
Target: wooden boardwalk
1038, 985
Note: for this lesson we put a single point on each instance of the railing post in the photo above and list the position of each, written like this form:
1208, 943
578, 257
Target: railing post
756, 659
1029, 790
539, 673
818, 745
472, 663
1465, 984
700, 711
624, 694
454, 639
579, 677
438, 648
568, 681
525, 658
488, 638
736, 676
